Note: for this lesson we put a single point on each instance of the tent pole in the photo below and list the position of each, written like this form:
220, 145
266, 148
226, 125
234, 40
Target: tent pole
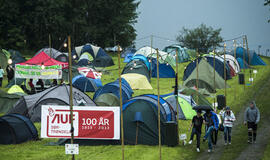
250, 70
70, 94
176, 91
197, 78
121, 104
225, 78
214, 77
234, 45
159, 132
244, 60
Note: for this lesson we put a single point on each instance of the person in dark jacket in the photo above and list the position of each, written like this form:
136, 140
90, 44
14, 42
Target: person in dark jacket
252, 118
10, 73
211, 123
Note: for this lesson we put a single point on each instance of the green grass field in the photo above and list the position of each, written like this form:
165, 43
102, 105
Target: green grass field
237, 96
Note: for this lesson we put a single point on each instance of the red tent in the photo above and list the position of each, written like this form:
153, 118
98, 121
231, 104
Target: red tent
43, 59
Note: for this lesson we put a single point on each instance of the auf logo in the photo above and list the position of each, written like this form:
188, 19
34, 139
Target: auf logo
51, 112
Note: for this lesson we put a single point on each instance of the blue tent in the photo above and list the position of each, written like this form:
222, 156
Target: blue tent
252, 58
219, 67
243, 64
85, 84
183, 56
143, 59
128, 51
165, 70
84, 62
128, 57
113, 87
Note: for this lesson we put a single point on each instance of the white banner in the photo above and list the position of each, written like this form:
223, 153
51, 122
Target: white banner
36, 72
88, 122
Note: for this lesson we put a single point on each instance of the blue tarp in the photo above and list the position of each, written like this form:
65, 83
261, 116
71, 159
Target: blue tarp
219, 67
165, 70
85, 84
113, 87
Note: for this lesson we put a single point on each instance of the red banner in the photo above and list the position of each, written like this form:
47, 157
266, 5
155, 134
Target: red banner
88, 122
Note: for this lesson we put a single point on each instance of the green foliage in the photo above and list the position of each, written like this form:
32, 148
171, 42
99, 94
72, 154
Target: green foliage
28, 23
202, 38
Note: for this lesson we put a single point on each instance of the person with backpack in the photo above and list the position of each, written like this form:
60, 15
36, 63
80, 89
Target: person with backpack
228, 119
252, 118
196, 125
211, 122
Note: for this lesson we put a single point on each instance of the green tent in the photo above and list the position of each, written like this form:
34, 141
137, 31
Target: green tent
15, 89
7, 101
182, 54
201, 96
205, 78
184, 107
107, 99
192, 54
65, 75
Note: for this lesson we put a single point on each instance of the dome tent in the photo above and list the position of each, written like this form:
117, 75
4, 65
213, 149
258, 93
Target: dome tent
55, 54
137, 81
183, 56
30, 105
85, 84
137, 66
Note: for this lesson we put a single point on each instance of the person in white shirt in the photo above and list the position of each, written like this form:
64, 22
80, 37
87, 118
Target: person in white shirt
1, 75
228, 119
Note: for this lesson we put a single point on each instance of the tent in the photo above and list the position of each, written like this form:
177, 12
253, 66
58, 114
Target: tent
55, 54
30, 105
137, 81
16, 57
15, 89
232, 62
219, 67
184, 106
143, 59
252, 58
89, 72
16, 129
205, 78
7, 101
85, 84
165, 70
243, 64
128, 51
183, 56
193, 92
128, 58
137, 66
101, 58
19, 81
87, 56
152, 53
3, 60
107, 99
65, 72
84, 62
113, 87
43, 59
140, 116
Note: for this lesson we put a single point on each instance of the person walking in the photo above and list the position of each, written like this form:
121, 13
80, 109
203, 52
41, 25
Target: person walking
196, 125
1, 75
211, 121
251, 119
228, 119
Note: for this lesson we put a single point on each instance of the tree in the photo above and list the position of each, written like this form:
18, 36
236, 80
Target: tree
267, 3
202, 38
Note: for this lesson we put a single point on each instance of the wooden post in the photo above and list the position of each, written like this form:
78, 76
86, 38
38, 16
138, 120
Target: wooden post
244, 62
159, 129
197, 76
70, 93
151, 43
214, 67
250, 70
225, 77
121, 105
234, 45
176, 91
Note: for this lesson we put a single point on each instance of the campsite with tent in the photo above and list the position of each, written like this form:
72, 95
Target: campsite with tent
141, 88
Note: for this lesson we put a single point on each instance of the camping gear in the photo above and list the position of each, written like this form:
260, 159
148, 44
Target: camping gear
16, 129
101, 58
137, 81
55, 54
243, 64
137, 66
85, 84
30, 105
205, 78
15, 89
16, 57
183, 56
233, 62
127, 51
107, 99
165, 70
221, 100
241, 78
113, 87
90, 72
147, 131
141, 58
65, 72
205, 108
7, 101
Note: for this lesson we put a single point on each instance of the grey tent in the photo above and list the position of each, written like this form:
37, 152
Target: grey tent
30, 105
7, 101
55, 54
107, 99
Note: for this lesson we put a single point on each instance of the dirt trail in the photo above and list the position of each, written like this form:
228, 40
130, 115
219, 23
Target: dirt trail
251, 152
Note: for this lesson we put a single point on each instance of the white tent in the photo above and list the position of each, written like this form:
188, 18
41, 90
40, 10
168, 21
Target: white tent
233, 62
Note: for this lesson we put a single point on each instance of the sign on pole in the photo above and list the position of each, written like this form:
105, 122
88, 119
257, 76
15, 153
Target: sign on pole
88, 122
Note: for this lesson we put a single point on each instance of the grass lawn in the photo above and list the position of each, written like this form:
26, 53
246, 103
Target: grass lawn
38, 150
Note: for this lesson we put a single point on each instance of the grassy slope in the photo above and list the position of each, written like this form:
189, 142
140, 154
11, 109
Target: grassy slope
38, 150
